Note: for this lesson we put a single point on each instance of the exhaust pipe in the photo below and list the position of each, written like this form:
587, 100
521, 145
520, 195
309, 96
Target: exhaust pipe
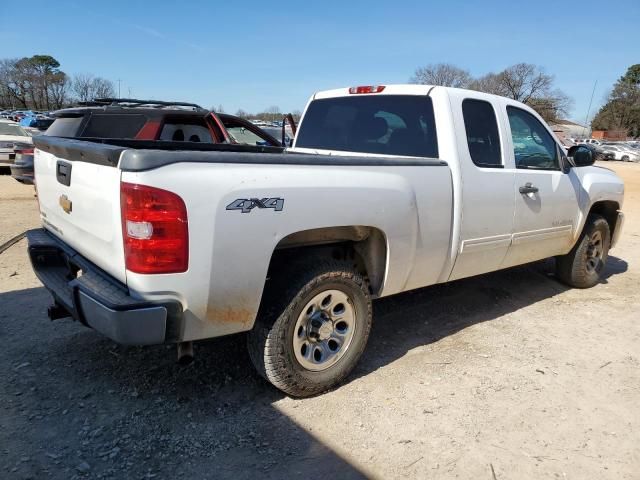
185, 353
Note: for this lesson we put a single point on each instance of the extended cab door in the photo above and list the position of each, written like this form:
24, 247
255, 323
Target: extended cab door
546, 198
487, 182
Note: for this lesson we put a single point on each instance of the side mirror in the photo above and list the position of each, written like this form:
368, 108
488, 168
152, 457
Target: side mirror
582, 155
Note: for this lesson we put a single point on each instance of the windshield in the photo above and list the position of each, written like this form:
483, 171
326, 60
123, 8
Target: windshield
385, 124
12, 129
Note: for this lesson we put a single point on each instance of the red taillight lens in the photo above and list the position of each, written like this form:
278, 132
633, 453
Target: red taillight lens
367, 89
154, 229
23, 151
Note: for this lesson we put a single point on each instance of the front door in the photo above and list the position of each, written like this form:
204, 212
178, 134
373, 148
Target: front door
546, 198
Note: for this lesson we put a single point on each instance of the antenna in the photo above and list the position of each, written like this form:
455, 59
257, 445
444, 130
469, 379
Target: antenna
589, 109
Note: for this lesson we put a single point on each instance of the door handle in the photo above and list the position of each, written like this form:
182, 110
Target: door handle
528, 188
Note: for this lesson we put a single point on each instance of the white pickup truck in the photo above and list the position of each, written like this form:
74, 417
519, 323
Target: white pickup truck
386, 189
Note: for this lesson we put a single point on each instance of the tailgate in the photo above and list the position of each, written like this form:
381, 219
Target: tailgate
79, 195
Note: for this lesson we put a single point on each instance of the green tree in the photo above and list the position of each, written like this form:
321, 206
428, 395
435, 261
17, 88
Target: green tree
33, 82
622, 109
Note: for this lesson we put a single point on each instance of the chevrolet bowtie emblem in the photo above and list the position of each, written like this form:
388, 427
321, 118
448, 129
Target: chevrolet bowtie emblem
65, 203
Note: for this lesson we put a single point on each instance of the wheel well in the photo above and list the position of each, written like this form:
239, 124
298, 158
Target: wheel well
365, 246
607, 209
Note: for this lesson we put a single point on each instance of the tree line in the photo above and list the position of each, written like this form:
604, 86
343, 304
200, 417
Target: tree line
523, 82
621, 110
38, 83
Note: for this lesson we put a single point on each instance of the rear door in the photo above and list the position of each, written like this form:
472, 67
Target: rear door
546, 198
487, 178
80, 203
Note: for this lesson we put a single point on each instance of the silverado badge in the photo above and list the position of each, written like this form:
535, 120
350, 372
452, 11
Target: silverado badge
65, 203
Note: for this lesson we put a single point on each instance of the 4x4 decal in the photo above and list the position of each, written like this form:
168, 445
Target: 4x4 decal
248, 204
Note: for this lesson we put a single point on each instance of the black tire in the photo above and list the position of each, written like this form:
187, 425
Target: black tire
271, 342
625, 158
580, 268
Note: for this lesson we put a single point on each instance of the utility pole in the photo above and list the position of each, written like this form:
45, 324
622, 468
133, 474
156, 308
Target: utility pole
119, 88
586, 120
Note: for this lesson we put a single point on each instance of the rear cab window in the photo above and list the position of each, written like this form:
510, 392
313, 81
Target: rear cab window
481, 127
402, 125
65, 127
108, 125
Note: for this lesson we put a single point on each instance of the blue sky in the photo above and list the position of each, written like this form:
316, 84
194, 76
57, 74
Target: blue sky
252, 55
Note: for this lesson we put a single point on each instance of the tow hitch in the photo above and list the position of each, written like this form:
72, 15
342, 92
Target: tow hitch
57, 311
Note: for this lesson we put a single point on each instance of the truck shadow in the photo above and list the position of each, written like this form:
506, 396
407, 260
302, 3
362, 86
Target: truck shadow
133, 412
421, 317
215, 417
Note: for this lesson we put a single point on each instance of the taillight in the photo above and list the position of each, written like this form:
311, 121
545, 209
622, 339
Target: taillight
154, 229
23, 151
367, 89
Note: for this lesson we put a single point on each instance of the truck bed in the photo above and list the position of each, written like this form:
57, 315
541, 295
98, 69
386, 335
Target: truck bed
139, 155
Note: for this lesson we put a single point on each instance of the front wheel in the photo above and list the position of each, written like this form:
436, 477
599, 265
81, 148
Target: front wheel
312, 327
582, 266
625, 158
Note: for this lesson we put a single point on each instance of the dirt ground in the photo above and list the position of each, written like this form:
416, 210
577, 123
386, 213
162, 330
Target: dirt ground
504, 376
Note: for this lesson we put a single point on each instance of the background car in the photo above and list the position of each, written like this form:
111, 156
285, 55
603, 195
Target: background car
144, 120
10, 134
276, 132
22, 167
621, 152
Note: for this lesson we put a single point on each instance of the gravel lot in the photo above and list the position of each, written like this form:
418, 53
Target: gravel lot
507, 375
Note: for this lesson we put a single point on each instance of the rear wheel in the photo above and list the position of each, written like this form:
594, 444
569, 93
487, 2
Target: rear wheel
582, 266
312, 328
625, 158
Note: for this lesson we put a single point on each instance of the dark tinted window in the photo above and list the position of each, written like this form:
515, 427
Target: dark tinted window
114, 126
482, 133
533, 145
384, 124
64, 127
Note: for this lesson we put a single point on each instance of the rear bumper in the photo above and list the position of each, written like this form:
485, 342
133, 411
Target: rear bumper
617, 229
22, 173
7, 158
83, 291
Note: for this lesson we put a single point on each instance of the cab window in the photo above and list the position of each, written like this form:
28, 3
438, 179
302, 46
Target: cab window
402, 125
533, 146
481, 128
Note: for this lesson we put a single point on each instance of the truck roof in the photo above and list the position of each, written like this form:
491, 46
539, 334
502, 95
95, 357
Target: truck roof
398, 89
128, 104
393, 89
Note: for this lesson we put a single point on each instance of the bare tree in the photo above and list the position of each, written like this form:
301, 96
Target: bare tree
103, 88
443, 74
528, 84
242, 114
13, 88
525, 81
81, 87
87, 87
59, 91
489, 83
274, 112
